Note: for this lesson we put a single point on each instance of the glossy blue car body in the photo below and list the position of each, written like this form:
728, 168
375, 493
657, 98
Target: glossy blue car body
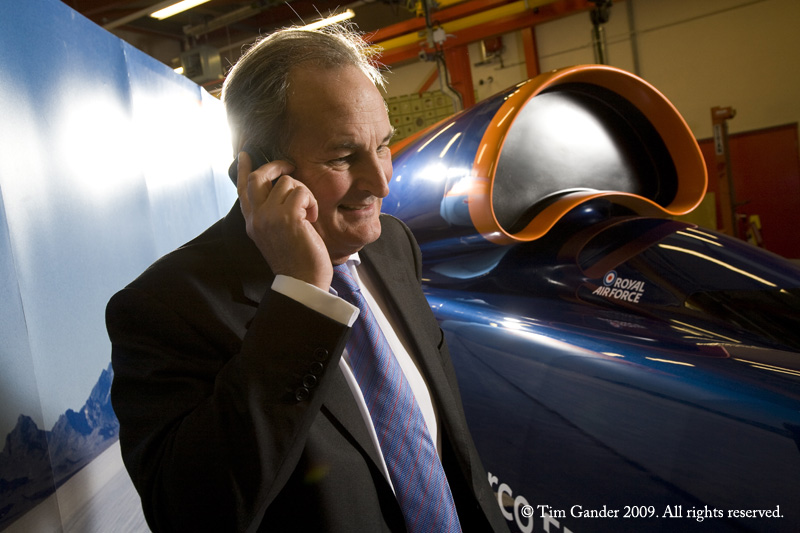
620, 370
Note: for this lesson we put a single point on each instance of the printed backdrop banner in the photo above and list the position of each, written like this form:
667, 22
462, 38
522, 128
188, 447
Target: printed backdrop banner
108, 160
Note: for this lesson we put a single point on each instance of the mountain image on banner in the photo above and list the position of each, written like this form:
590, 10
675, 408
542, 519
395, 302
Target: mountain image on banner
35, 462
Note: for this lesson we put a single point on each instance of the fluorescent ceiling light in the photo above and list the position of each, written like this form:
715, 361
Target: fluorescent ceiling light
344, 15
176, 8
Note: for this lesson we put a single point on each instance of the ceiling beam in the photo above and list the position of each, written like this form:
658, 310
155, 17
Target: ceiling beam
478, 26
445, 15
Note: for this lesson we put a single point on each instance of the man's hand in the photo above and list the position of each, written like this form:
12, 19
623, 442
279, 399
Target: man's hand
279, 212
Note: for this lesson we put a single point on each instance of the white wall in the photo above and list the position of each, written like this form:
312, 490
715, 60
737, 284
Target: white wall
410, 77
494, 76
739, 53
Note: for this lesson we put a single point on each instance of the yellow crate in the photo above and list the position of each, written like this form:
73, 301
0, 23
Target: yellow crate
440, 100
393, 106
415, 102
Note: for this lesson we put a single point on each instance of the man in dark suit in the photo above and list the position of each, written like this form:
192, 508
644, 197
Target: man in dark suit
235, 387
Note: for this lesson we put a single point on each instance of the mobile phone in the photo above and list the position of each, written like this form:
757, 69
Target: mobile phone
257, 158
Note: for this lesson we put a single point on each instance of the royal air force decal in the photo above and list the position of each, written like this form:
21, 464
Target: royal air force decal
617, 288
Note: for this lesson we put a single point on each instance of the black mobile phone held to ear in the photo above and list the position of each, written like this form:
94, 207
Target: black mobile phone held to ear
257, 159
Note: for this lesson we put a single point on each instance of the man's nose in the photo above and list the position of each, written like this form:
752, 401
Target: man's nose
374, 175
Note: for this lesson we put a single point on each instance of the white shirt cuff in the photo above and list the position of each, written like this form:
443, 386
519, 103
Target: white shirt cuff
315, 298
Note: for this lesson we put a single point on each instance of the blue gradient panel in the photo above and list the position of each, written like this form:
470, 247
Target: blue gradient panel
109, 159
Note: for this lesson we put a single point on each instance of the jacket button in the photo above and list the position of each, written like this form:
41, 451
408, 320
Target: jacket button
301, 394
321, 354
316, 368
309, 381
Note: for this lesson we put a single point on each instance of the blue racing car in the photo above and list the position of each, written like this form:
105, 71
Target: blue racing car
621, 370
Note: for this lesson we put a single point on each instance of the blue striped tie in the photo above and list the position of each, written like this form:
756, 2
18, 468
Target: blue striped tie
414, 467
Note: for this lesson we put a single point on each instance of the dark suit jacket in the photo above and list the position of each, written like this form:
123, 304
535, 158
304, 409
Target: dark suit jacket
234, 413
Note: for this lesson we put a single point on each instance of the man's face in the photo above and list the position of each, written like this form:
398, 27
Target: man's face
339, 145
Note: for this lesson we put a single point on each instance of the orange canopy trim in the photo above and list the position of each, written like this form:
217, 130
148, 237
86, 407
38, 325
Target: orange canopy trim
665, 118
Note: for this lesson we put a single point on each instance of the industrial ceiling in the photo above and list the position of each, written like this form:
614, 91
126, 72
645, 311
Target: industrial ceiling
227, 26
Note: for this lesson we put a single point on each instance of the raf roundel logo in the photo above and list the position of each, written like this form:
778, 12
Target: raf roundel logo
608, 281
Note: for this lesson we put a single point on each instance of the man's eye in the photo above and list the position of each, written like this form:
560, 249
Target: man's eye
341, 160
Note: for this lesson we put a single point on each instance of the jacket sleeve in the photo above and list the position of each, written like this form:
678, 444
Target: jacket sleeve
215, 408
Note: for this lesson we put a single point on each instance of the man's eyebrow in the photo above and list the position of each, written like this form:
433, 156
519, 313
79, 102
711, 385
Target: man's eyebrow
350, 145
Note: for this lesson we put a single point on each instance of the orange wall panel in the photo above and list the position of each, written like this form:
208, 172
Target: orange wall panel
765, 166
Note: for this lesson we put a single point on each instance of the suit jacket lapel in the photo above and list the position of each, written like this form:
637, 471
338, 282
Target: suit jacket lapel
341, 407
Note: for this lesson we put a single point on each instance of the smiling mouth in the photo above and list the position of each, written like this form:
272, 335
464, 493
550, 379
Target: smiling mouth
361, 207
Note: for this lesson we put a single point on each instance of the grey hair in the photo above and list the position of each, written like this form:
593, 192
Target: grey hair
256, 89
